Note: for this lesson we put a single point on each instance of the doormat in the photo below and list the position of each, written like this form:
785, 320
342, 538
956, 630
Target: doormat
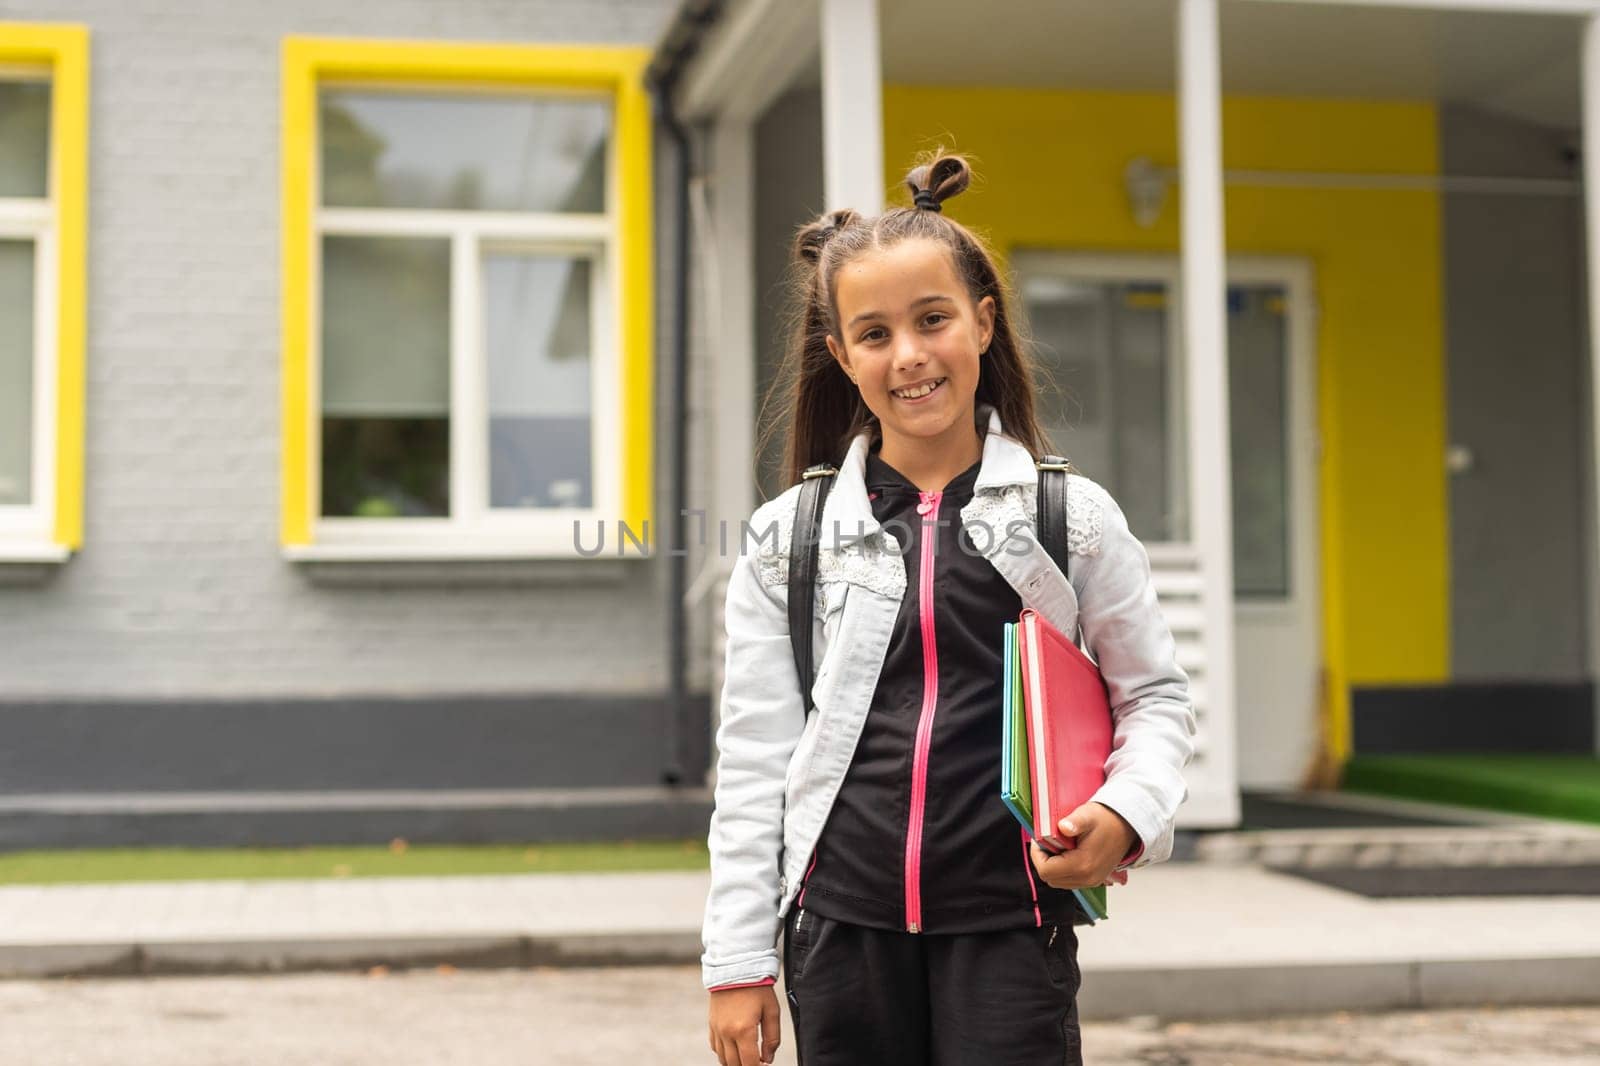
1410, 882
1258, 810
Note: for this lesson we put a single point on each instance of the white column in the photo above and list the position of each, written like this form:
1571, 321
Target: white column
852, 106
1591, 209
728, 274
1214, 780
724, 273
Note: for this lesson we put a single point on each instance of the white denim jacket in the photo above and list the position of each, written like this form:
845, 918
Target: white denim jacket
778, 770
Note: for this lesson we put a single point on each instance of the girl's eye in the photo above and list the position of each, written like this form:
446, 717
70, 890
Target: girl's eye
935, 317
871, 335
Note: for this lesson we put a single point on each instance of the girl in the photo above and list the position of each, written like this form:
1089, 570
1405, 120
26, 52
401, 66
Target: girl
920, 924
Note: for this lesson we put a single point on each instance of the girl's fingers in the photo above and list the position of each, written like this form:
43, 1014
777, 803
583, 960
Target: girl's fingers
727, 1054
748, 1052
770, 1030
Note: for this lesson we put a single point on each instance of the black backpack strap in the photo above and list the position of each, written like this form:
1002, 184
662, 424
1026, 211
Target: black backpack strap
1050, 519
803, 544
1050, 516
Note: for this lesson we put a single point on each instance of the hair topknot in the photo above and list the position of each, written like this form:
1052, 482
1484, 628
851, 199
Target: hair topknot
935, 181
814, 236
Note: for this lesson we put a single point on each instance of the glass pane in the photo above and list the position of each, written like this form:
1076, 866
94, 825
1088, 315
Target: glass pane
492, 153
1104, 345
24, 138
16, 372
539, 348
1258, 397
385, 376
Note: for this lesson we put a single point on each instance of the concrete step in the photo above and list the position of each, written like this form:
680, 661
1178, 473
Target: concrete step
353, 817
1467, 846
1352, 829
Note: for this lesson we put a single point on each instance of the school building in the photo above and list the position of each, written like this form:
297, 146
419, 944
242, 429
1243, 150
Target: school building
380, 383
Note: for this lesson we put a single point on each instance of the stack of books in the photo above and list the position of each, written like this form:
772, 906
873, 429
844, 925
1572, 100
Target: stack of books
1057, 722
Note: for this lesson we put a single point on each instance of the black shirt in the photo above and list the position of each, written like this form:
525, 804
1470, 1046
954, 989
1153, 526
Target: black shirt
932, 734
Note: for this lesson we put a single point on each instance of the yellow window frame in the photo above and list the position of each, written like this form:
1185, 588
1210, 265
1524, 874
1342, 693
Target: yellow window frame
64, 49
307, 63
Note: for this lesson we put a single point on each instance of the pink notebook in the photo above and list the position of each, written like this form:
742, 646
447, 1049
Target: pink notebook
1069, 725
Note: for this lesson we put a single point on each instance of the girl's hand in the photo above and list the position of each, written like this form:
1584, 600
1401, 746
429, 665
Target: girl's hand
1102, 838
744, 1020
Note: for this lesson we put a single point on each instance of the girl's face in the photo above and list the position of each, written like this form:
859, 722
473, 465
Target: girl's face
909, 325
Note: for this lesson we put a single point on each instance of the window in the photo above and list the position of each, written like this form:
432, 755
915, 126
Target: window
43, 118
467, 313
1105, 336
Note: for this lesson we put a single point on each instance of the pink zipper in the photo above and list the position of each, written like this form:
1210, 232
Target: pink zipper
929, 504
1027, 867
805, 882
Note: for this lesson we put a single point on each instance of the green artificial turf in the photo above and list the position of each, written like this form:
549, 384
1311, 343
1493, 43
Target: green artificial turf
396, 860
1550, 786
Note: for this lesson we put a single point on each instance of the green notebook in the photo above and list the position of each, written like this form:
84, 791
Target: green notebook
1016, 775
1016, 778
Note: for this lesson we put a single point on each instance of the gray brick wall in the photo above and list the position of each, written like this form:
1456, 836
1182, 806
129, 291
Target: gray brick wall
180, 590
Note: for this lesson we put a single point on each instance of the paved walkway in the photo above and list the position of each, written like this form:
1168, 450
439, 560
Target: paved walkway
655, 1014
1185, 939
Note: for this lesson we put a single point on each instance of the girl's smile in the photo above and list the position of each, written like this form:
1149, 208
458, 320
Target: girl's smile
918, 392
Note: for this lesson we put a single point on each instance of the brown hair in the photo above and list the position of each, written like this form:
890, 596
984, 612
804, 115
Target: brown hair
823, 411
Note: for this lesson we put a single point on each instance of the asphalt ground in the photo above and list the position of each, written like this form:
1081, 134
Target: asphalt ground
575, 1017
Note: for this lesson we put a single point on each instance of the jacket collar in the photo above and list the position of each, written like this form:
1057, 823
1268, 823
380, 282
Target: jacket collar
1005, 460
847, 513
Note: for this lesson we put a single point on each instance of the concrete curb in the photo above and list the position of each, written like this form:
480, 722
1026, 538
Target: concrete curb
312, 954
1179, 991
1216, 992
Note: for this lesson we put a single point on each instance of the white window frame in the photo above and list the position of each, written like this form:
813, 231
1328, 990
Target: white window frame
474, 529
26, 529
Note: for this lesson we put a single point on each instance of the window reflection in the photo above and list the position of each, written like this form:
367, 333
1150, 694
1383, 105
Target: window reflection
16, 372
385, 377
25, 138
538, 340
1105, 346
467, 153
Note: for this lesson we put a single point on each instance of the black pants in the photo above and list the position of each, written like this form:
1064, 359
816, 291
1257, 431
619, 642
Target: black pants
879, 998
